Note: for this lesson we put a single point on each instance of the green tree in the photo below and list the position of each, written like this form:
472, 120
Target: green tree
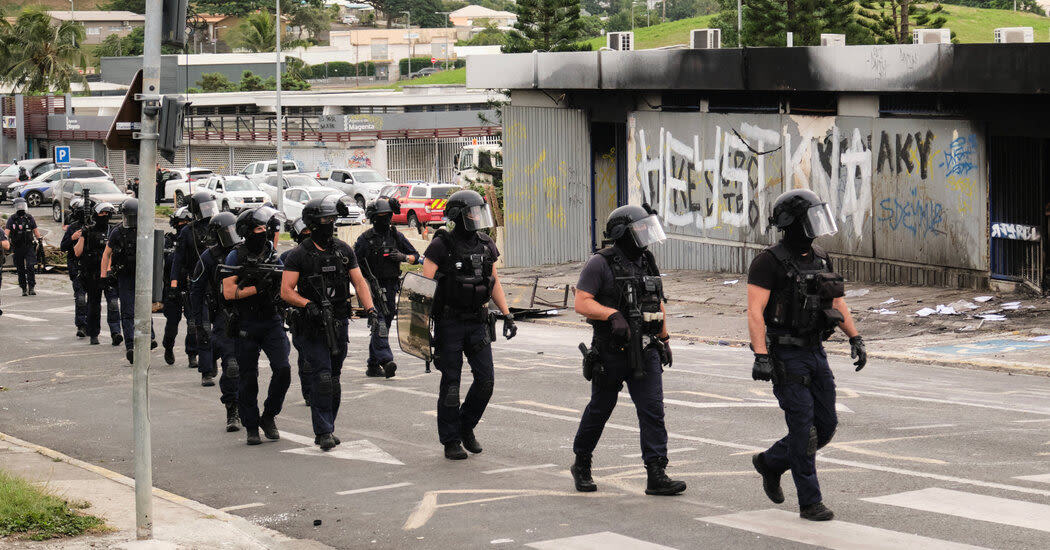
489, 35
238, 8
546, 25
39, 57
130, 45
215, 82
251, 82
767, 22
891, 21
135, 6
256, 33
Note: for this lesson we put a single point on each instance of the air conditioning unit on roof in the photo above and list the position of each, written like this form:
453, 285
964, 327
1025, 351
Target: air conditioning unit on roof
931, 36
620, 41
1009, 35
703, 39
832, 39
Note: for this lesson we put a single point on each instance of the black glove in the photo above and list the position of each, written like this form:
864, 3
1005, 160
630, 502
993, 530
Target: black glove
373, 320
762, 369
313, 311
398, 255
858, 352
262, 285
666, 358
510, 330
621, 331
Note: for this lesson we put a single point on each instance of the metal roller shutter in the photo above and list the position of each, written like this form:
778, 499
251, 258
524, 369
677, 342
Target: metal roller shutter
243, 156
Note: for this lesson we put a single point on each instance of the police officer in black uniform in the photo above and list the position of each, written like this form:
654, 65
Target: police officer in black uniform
462, 260
191, 242
317, 280
23, 233
5, 245
118, 261
381, 251
299, 232
176, 300
621, 295
208, 310
794, 302
72, 234
89, 248
251, 288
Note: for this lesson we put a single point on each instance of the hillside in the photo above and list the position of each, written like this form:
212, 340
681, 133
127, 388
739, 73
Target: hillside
13, 6
659, 35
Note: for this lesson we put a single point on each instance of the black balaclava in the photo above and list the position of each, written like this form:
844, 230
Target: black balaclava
460, 232
629, 247
796, 240
101, 221
381, 222
322, 234
255, 242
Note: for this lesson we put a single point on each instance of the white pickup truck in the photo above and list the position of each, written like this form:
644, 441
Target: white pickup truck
479, 164
363, 184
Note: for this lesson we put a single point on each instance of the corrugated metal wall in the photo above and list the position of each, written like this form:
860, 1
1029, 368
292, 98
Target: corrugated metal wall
547, 185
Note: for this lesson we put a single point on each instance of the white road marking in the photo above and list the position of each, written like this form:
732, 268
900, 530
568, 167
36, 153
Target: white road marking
926, 427
546, 406
241, 507
837, 535
953, 402
839, 407
597, 541
672, 451
520, 468
1031, 420
1003, 511
27, 318
371, 489
348, 450
64, 309
1041, 478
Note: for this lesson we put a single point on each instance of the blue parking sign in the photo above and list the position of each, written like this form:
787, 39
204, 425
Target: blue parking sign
62, 154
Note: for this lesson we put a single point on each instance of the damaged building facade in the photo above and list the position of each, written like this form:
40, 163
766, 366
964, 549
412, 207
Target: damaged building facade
935, 159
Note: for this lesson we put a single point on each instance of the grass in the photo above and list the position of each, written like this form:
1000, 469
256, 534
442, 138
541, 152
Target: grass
451, 76
659, 35
975, 25
164, 210
29, 513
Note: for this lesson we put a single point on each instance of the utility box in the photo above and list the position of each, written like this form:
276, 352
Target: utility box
832, 39
620, 41
1010, 35
705, 39
931, 36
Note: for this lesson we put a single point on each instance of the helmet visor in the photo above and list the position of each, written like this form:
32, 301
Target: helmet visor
820, 221
130, 219
228, 236
647, 231
209, 209
477, 217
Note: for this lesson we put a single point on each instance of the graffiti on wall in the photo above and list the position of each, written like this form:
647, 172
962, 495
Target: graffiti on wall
1015, 231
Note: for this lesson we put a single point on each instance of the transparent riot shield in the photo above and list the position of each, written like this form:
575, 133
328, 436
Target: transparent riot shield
414, 304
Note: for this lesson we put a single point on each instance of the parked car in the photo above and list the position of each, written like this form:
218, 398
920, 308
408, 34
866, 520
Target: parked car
421, 203
234, 193
258, 171
295, 198
33, 168
100, 190
425, 71
181, 179
363, 184
306, 181
39, 190
479, 164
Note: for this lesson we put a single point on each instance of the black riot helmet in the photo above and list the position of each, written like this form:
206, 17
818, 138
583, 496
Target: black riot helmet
299, 230
262, 216
383, 205
223, 226
638, 222
468, 209
130, 211
325, 207
181, 216
203, 205
20, 204
803, 208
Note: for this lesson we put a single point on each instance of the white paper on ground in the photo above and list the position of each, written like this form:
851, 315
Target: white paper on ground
992, 317
857, 292
946, 310
925, 312
1011, 305
1043, 338
982, 299
961, 305
890, 301
884, 311
732, 282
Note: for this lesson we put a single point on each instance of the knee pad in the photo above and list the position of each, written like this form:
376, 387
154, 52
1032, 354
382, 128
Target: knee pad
486, 390
324, 383
811, 449
233, 370
451, 397
112, 304
822, 441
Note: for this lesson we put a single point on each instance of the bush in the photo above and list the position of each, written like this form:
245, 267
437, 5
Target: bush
424, 62
343, 69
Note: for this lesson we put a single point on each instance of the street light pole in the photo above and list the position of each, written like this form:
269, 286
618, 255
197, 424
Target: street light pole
448, 16
73, 18
408, 23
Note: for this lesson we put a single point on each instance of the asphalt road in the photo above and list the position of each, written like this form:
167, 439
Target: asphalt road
923, 455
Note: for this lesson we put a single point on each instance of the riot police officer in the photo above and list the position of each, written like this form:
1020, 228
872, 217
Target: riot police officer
24, 234
72, 234
462, 260
317, 280
5, 245
176, 303
250, 285
794, 302
89, 249
118, 261
208, 310
191, 242
381, 250
621, 295
299, 232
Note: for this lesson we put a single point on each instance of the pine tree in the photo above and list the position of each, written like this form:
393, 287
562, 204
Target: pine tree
767, 22
892, 21
546, 25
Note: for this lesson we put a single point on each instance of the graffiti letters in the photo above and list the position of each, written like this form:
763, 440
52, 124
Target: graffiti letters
900, 158
918, 215
960, 157
1015, 231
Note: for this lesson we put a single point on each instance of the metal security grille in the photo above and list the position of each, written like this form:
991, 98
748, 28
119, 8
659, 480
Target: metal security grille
243, 156
428, 159
215, 158
1018, 182
115, 162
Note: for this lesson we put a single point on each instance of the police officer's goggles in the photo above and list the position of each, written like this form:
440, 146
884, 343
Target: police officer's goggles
820, 221
477, 217
647, 231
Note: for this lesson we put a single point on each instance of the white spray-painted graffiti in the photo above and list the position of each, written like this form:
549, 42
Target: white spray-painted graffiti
1015, 231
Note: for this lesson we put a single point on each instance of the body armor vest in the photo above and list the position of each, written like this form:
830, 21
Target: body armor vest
94, 245
803, 307
262, 306
124, 252
380, 246
212, 283
639, 293
465, 277
21, 234
333, 266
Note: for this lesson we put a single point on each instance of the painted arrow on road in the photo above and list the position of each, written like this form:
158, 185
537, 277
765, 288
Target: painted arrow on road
349, 450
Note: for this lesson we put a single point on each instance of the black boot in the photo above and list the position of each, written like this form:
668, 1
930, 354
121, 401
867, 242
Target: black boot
659, 483
390, 368
253, 436
269, 427
770, 479
25, 292
80, 332
470, 442
169, 355
32, 291
326, 442
454, 451
207, 380
375, 371
233, 418
192, 361
117, 338
317, 439
816, 512
94, 340
581, 474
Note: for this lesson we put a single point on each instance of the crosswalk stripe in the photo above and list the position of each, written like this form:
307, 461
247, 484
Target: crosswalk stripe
972, 506
18, 317
605, 540
1041, 478
837, 535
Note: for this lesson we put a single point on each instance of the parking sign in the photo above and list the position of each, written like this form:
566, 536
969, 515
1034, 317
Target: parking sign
62, 154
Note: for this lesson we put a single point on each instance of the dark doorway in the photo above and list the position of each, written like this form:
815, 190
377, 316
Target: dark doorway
608, 174
1019, 209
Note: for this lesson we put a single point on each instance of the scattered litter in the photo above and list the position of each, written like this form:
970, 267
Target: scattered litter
971, 328
962, 304
317, 522
1043, 338
552, 312
982, 299
684, 316
925, 312
884, 311
857, 293
946, 310
992, 317
732, 282
723, 342
890, 301
501, 541
1011, 305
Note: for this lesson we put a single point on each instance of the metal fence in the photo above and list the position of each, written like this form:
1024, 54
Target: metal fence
427, 159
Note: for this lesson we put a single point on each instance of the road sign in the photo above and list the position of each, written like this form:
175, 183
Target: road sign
411, 35
120, 135
433, 60
62, 154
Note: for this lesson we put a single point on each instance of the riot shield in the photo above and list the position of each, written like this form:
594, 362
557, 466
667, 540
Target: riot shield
413, 315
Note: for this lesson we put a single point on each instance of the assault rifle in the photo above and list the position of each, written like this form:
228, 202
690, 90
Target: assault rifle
635, 357
85, 212
378, 293
327, 315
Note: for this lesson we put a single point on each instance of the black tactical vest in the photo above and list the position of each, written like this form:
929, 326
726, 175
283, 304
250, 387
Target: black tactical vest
124, 251
21, 234
94, 245
639, 292
465, 278
258, 306
803, 306
380, 246
333, 267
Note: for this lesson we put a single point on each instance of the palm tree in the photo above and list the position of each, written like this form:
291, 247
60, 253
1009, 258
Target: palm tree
41, 57
256, 33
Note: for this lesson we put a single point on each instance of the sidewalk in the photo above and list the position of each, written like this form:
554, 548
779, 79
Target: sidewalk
711, 308
178, 523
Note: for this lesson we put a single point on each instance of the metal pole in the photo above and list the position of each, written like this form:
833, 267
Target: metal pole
73, 18
408, 23
739, 23
144, 274
280, 118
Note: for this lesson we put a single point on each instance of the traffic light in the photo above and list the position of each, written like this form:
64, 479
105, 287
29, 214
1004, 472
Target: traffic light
173, 24
169, 126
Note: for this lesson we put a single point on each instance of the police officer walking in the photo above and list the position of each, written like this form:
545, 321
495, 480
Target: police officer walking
193, 239
23, 233
72, 234
795, 302
299, 232
208, 310
381, 250
621, 295
118, 260
317, 280
89, 249
462, 260
5, 245
250, 284
176, 300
